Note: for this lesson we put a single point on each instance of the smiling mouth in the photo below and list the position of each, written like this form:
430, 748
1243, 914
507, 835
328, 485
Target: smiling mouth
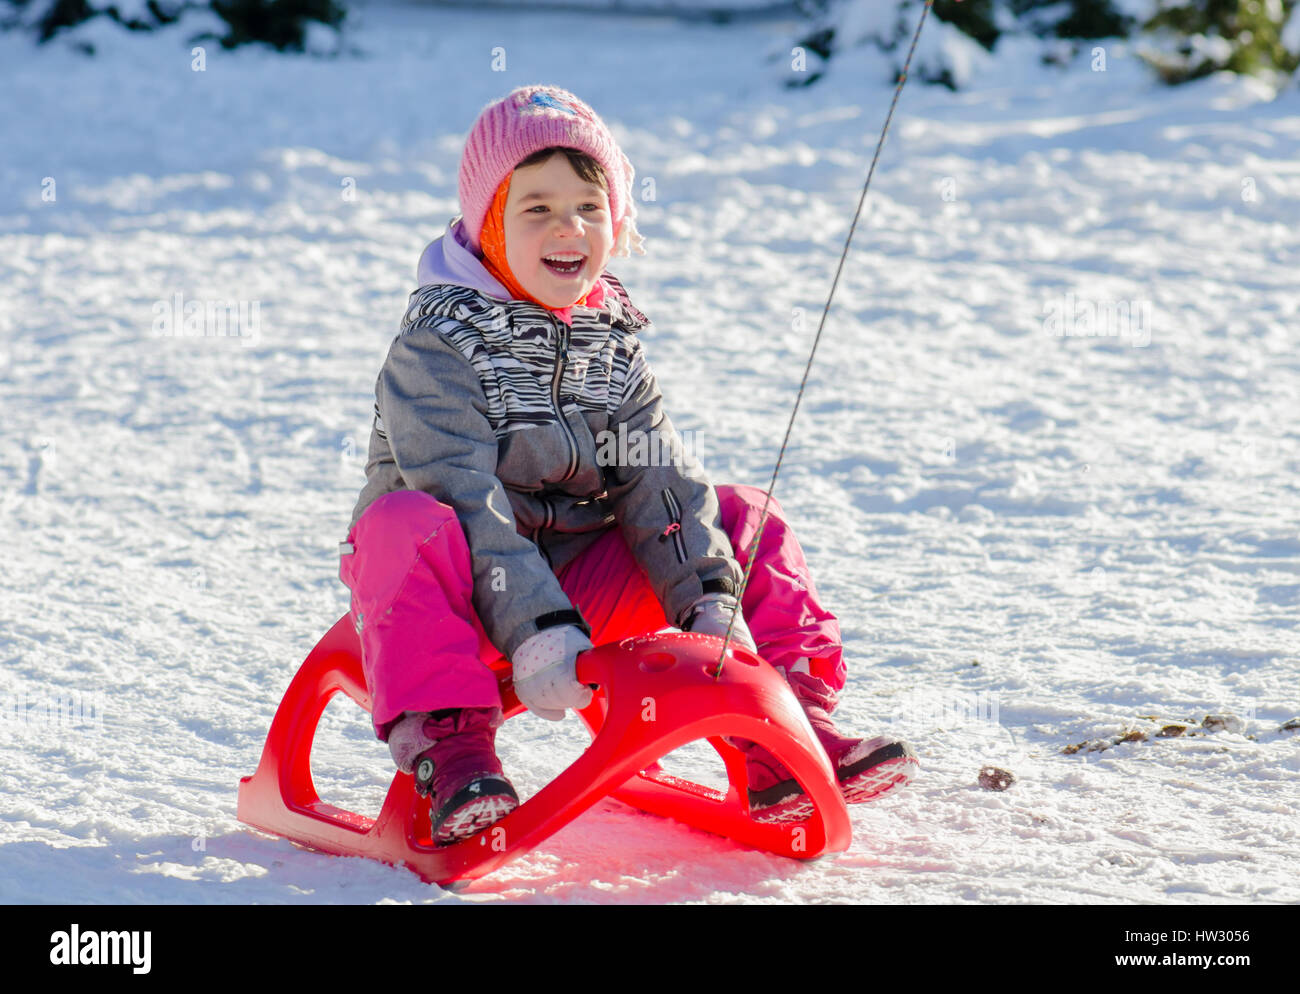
564, 264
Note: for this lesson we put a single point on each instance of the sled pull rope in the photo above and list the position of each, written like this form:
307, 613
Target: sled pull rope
762, 521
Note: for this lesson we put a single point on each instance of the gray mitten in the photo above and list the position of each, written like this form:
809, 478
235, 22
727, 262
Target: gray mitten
712, 613
545, 671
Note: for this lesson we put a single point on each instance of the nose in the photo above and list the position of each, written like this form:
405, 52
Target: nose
570, 223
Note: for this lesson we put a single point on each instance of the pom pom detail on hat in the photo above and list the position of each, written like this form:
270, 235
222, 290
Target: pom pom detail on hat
527, 120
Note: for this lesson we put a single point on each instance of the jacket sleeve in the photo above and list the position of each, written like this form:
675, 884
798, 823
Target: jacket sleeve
434, 412
663, 502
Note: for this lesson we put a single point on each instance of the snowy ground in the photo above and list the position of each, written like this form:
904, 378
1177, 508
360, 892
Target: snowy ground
1032, 540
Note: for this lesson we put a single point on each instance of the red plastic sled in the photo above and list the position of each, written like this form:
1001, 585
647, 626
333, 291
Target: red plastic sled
657, 692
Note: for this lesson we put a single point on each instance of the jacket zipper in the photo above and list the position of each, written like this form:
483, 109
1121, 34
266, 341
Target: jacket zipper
674, 528
561, 354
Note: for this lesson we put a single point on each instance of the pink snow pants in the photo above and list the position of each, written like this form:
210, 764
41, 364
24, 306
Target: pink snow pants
423, 647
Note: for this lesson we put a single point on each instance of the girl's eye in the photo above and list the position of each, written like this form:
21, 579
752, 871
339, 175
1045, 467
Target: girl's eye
586, 207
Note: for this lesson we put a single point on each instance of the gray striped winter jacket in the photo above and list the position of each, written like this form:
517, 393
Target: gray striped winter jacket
512, 417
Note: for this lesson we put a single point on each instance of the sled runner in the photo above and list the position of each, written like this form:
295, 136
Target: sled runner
656, 693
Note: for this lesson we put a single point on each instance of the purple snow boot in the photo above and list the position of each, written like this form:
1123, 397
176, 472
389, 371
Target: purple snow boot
865, 768
452, 755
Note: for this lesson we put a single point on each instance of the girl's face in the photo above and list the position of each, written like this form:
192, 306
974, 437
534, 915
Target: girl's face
559, 236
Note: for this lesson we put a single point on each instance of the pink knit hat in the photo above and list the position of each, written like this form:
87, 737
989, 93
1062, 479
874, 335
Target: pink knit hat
528, 120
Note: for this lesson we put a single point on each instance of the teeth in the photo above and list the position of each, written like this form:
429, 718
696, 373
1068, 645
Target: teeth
565, 257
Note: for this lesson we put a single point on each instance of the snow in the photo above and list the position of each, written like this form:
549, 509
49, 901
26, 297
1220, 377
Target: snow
1033, 541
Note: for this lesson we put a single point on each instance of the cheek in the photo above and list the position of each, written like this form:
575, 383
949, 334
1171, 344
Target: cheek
520, 247
610, 239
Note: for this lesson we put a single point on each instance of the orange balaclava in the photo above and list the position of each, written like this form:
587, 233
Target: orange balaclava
493, 240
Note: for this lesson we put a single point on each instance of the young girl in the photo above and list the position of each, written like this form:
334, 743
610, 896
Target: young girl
494, 523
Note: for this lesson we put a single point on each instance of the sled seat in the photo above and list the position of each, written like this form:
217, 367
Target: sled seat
656, 693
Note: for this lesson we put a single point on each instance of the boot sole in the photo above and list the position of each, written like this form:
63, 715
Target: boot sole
886, 769
471, 811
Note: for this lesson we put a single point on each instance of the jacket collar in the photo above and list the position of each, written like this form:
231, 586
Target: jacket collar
447, 260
